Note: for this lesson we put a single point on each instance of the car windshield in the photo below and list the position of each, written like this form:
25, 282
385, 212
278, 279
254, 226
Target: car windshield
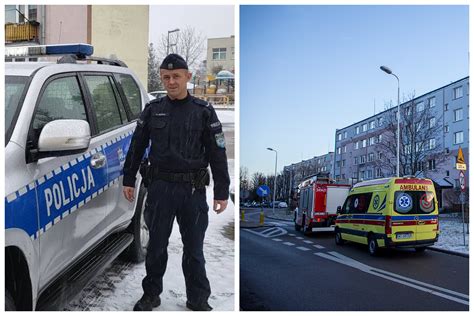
414, 202
14, 88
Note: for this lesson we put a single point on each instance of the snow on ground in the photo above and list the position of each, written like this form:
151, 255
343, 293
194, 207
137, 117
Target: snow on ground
119, 287
226, 116
451, 234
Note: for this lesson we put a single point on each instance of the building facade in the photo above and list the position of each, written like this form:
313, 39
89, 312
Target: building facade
297, 172
220, 54
119, 32
433, 127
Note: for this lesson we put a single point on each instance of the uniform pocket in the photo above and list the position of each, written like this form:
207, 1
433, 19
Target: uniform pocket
160, 131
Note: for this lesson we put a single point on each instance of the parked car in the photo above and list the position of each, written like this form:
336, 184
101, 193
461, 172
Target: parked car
282, 205
68, 127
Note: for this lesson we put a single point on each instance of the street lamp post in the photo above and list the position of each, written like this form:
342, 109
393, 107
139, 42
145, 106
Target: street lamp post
275, 180
168, 41
389, 71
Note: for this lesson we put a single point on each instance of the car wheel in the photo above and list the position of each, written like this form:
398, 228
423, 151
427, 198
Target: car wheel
136, 252
372, 245
305, 228
9, 302
338, 238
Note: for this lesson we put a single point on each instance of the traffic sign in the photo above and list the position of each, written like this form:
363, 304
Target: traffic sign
462, 181
460, 163
263, 190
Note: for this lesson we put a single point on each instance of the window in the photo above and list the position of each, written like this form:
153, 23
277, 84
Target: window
362, 175
344, 149
219, 53
432, 102
356, 145
432, 143
364, 143
369, 174
432, 122
104, 102
132, 93
364, 127
446, 128
345, 135
380, 138
458, 138
61, 99
380, 121
378, 173
407, 149
372, 124
380, 156
414, 202
357, 130
338, 150
339, 136
362, 159
408, 110
418, 147
343, 163
446, 106
356, 160
457, 115
13, 16
371, 157
420, 106
371, 141
431, 164
457, 93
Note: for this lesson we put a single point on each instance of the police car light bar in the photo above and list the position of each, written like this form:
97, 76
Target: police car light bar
80, 50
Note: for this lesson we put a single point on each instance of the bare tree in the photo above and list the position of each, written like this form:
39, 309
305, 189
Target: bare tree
420, 142
187, 43
154, 82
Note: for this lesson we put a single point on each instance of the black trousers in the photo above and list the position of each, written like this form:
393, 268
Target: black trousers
166, 200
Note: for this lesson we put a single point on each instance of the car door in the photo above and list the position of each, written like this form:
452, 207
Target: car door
68, 188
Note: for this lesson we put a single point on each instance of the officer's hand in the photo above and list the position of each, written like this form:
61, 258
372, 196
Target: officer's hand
129, 193
219, 206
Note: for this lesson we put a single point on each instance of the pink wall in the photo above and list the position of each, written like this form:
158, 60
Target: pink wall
66, 24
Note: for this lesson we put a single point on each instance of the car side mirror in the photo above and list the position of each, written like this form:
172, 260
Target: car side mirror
63, 137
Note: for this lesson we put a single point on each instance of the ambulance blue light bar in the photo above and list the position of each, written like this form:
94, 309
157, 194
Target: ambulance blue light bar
79, 50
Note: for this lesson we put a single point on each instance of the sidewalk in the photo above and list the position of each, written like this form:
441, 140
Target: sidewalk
450, 240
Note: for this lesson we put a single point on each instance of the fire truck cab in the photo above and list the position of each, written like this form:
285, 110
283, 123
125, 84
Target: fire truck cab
318, 199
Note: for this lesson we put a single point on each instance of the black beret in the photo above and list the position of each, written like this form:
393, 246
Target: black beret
174, 61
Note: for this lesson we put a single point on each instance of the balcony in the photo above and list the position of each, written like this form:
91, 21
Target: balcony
22, 32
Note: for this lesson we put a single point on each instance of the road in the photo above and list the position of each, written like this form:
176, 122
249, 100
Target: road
282, 270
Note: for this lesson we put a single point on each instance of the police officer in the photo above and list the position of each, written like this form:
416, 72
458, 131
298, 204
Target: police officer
186, 136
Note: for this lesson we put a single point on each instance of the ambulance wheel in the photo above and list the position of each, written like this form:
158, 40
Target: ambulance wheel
136, 251
338, 237
420, 249
373, 246
9, 302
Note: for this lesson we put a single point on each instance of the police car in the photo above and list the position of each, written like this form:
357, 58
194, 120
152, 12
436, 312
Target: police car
68, 128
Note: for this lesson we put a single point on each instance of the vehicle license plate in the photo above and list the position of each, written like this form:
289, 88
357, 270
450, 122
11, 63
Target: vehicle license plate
404, 235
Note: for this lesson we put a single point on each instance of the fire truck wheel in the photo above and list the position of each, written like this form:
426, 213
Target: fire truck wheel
338, 238
373, 246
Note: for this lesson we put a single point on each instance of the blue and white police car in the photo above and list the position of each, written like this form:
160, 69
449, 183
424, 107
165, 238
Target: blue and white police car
68, 127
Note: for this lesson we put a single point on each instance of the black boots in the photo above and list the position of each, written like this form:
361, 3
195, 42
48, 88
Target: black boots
201, 307
147, 303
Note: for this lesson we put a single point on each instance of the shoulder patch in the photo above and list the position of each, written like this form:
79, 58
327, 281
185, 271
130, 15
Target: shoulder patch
200, 102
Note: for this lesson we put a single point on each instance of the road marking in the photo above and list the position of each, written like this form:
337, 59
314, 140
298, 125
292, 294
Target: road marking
307, 241
292, 235
303, 248
269, 232
299, 237
276, 239
318, 246
422, 286
288, 243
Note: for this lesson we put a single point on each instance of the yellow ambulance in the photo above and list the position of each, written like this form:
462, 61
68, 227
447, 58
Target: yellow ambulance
389, 213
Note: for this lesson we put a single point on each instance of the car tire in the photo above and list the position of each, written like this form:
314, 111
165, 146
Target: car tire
136, 251
338, 237
9, 302
304, 228
372, 245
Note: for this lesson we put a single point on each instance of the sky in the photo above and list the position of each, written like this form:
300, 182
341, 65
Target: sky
211, 20
307, 70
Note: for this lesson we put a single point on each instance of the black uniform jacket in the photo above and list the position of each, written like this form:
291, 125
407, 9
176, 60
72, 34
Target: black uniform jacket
185, 135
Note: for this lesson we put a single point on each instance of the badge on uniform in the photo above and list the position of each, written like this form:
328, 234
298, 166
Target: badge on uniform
220, 140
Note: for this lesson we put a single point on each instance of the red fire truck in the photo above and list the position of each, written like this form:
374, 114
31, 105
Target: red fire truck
317, 204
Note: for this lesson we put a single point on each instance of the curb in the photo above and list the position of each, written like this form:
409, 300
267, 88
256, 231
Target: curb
279, 219
449, 252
